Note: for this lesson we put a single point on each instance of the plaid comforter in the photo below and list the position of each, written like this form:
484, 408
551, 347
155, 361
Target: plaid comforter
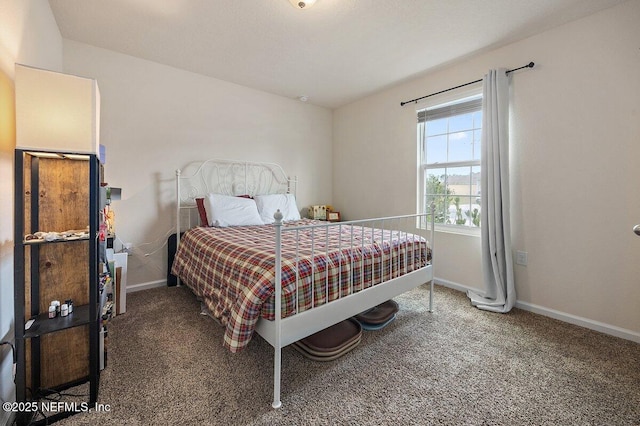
233, 269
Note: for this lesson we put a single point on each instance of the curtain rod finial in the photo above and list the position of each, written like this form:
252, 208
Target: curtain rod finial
531, 64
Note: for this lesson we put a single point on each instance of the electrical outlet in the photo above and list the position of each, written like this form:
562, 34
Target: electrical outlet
522, 258
127, 248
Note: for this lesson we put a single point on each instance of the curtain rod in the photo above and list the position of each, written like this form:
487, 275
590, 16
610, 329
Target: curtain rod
529, 65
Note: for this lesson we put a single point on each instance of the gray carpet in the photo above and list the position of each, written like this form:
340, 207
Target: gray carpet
455, 366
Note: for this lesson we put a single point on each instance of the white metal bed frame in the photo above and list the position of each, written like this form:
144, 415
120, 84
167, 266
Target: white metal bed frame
231, 177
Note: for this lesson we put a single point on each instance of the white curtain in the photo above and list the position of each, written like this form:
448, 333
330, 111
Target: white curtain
497, 265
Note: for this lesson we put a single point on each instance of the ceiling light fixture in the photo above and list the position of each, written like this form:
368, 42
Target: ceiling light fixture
302, 4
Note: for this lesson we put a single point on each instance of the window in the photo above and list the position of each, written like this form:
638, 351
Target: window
449, 142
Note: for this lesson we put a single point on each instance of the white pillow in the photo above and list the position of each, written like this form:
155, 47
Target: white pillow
269, 204
226, 210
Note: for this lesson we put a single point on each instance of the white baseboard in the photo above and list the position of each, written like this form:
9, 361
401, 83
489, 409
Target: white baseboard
583, 322
601, 327
146, 286
453, 285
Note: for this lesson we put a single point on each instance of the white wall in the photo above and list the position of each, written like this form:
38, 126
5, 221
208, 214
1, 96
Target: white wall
156, 119
28, 35
575, 135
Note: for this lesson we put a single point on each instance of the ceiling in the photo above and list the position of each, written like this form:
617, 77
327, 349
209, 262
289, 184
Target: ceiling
334, 53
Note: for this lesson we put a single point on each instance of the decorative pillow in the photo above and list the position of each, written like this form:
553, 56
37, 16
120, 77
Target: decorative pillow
226, 210
269, 204
202, 212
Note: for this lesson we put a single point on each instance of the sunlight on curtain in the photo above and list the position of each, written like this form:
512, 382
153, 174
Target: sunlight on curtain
497, 265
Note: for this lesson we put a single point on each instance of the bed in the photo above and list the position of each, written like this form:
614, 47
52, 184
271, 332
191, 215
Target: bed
291, 277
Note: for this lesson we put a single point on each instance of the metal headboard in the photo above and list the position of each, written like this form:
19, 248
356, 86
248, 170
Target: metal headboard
227, 177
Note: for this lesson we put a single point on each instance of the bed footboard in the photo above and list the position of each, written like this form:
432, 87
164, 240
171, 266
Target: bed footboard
378, 260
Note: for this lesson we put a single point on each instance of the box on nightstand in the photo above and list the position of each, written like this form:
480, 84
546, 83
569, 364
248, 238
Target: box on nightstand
317, 212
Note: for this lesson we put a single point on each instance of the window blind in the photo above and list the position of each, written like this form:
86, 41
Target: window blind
449, 110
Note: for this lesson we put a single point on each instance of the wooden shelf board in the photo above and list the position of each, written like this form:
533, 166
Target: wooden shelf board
45, 325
